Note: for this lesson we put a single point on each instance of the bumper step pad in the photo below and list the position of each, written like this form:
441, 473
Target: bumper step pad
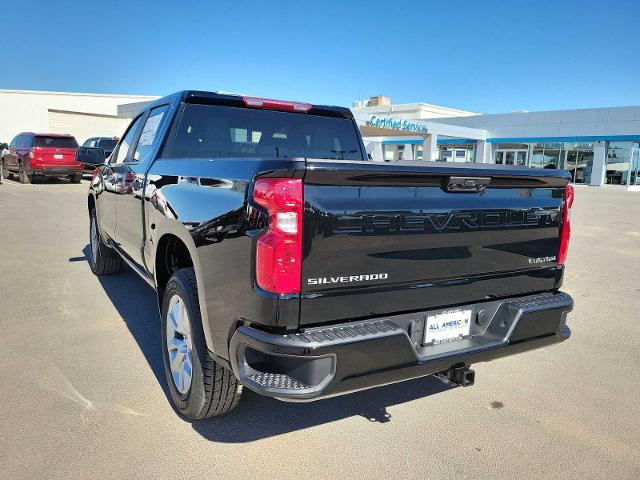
277, 380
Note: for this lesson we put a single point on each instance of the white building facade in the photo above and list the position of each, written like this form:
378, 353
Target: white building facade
82, 115
596, 146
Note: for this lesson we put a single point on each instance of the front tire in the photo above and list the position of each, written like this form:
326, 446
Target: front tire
199, 387
102, 259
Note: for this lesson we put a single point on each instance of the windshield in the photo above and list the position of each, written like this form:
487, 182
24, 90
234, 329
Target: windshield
56, 142
107, 143
209, 131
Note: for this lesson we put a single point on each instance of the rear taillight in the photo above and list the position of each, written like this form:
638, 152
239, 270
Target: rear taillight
565, 223
32, 152
279, 249
277, 104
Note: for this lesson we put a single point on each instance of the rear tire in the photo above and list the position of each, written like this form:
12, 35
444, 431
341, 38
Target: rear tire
199, 386
75, 178
5, 172
24, 178
102, 259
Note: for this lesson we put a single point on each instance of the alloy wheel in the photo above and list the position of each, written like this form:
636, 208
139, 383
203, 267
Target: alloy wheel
179, 344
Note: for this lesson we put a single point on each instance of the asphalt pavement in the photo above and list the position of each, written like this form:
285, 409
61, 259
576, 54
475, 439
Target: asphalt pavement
83, 393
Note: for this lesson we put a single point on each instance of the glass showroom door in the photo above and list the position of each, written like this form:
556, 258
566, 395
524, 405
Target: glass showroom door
512, 157
570, 164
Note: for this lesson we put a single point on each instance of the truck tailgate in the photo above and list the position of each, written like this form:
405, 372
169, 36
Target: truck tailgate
382, 238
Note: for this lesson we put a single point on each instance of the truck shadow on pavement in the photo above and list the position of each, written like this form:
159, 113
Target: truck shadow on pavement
256, 417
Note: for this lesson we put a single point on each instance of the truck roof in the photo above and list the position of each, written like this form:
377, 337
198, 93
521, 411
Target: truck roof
232, 100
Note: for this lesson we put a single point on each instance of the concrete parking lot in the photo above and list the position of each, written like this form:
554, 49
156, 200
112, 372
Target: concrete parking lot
83, 392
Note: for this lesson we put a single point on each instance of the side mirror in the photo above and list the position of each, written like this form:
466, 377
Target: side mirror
92, 156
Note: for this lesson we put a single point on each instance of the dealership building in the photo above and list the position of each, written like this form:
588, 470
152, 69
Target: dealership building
598, 146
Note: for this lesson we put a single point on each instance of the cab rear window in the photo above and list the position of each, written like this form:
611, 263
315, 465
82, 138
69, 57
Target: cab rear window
211, 131
107, 143
56, 142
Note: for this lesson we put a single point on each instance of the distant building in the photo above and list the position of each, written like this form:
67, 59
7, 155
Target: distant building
82, 115
596, 145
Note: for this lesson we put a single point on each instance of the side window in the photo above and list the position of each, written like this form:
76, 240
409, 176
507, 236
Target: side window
125, 144
15, 141
149, 137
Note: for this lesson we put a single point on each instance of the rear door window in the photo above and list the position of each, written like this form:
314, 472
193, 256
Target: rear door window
149, 136
125, 143
210, 131
55, 142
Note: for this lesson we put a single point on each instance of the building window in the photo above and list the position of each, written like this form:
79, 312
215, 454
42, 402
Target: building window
551, 154
576, 158
619, 163
536, 158
578, 161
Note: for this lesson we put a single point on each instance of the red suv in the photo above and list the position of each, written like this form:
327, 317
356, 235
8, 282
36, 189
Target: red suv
42, 154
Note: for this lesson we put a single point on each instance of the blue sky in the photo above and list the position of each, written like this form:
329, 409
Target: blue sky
487, 56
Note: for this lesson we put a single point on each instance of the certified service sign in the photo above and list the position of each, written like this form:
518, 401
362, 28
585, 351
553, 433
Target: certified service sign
397, 124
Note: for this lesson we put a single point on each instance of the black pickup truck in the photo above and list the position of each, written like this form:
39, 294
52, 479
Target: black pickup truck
287, 262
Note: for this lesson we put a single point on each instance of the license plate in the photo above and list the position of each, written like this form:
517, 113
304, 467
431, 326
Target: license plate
447, 326
58, 156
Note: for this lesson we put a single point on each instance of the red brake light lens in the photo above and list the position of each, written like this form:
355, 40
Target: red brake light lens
279, 249
277, 104
565, 224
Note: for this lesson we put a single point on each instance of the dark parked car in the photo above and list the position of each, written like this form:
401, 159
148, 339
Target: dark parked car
42, 154
286, 261
105, 143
